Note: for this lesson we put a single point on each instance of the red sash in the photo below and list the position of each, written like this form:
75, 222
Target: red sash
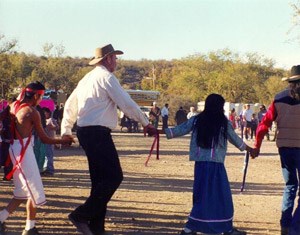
155, 141
16, 108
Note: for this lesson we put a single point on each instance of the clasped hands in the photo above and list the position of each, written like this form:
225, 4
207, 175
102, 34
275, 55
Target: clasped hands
254, 152
67, 139
150, 130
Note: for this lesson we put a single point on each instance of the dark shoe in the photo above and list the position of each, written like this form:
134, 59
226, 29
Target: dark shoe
32, 231
47, 174
190, 233
82, 227
284, 231
97, 231
2, 228
234, 231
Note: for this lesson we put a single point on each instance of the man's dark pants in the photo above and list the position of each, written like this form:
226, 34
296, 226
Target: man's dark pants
105, 173
165, 122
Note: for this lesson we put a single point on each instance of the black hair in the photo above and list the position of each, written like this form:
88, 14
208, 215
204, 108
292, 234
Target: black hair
263, 107
34, 86
211, 123
47, 110
295, 90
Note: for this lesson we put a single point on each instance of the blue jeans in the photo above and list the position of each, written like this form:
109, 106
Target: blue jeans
290, 163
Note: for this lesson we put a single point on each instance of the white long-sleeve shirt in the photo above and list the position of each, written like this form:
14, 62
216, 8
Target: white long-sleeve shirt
164, 111
94, 102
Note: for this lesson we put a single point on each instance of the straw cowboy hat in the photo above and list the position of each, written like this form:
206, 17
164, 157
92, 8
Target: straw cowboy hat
295, 74
102, 52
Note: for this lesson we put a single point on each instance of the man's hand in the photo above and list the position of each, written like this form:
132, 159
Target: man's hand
161, 131
67, 140
254, 153
150, 130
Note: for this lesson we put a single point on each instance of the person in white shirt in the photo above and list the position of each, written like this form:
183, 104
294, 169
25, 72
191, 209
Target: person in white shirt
165, 116
93, 104
247, 117
192, 113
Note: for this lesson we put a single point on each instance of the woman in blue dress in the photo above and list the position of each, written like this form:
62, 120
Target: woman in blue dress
212, 211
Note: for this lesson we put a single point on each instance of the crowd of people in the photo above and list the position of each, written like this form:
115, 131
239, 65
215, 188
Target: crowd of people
180, 117
93, 107
247, 121
157, 115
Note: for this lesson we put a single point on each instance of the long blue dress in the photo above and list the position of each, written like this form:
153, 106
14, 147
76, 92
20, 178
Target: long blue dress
212, 210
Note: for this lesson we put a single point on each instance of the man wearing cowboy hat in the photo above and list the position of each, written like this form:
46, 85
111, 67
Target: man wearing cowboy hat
285, 110
93, 104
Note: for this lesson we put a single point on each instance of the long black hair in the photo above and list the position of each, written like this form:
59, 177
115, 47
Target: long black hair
211, 122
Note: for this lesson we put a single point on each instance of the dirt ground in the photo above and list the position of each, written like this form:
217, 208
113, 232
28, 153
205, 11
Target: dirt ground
155, 199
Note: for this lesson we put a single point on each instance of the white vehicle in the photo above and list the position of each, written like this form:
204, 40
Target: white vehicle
146, 110
144, 99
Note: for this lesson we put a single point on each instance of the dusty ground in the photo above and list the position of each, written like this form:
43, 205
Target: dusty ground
155, 199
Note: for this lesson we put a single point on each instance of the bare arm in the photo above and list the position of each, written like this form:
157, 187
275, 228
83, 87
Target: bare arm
36, 120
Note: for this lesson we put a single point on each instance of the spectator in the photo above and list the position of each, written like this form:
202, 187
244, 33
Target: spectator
192, 112
39, 147
180, 116
51, 127
260, 115
241, 121
165, 116
247, 116
56, 113
232, 118
154, 115
5, 142
135, 126
254, 123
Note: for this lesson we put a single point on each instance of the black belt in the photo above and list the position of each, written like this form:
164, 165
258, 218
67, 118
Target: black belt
97, 128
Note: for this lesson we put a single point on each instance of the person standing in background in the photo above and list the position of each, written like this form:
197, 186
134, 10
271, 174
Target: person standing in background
254, 123
260, 115
192, 113
154, 114
232, 117
165, 116
51, 127
180, 116
39, 147
247, 116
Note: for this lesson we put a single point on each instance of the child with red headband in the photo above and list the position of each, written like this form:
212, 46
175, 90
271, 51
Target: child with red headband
26, 176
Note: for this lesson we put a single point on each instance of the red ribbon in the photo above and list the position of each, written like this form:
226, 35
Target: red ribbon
22, 93
155, 141
17, 107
